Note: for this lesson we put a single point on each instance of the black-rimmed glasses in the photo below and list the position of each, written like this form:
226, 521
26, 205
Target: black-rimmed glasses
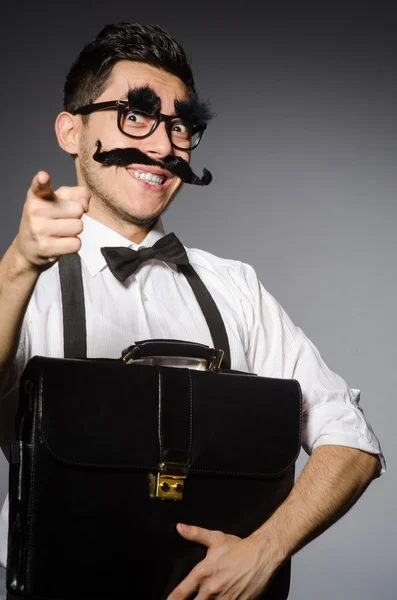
139, 125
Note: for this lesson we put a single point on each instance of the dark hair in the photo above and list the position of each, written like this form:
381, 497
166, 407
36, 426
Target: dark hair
123, 41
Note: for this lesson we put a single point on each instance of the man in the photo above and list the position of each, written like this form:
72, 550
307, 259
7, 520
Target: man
131, 120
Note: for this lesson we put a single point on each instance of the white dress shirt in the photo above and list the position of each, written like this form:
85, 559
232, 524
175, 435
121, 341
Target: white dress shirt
157, 302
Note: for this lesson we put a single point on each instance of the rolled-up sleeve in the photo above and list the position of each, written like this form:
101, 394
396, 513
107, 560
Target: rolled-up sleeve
11, 379
277, 348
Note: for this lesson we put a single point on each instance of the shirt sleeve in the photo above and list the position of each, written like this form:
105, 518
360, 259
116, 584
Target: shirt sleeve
13, 375
277, 348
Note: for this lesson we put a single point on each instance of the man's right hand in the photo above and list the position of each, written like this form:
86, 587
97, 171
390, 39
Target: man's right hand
51, 222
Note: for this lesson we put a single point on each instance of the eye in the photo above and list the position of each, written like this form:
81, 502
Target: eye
180, 127
134, 117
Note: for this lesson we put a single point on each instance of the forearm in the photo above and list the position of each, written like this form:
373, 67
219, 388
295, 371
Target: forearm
17, 282
331, 482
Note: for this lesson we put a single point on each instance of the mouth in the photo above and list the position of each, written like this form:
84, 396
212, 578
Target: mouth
151, 177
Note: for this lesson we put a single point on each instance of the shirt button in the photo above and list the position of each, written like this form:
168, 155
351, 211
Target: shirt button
145, 298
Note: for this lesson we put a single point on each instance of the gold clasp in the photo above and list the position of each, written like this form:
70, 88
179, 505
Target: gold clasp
129, 353
214, 363
168, 483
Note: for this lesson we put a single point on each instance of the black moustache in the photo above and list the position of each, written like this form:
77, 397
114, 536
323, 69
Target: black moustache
122, 157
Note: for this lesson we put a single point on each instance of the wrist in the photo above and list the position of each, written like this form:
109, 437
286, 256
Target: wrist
270, 545
18, 265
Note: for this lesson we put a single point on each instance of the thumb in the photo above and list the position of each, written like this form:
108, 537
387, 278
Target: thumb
205, 537
84, 199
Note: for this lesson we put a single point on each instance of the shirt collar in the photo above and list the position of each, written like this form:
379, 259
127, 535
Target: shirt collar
96, 235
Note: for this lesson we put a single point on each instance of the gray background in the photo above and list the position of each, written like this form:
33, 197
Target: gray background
303, 153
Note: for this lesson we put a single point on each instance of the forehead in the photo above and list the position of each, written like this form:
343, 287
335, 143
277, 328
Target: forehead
127, 74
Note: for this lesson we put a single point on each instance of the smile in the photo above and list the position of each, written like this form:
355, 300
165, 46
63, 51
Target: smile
150, 177
155, 181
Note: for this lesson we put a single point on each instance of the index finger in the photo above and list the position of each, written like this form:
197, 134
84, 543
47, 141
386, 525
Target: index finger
41, 186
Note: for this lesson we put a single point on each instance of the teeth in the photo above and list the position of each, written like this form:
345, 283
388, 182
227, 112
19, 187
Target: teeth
149, 177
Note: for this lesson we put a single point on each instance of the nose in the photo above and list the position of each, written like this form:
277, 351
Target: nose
158, 145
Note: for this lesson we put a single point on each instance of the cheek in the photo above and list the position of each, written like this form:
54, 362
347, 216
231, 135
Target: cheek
177, 185
110, 136
181, 154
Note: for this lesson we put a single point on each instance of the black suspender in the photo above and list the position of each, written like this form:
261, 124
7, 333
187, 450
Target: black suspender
73, 307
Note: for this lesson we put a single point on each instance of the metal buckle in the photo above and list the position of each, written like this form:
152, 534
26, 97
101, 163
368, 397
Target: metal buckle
214, 363
129, 353
168, 483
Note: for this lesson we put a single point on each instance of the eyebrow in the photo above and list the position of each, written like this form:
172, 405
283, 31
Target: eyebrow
193, 111
144, 99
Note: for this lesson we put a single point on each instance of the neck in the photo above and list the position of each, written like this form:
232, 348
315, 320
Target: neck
131, 231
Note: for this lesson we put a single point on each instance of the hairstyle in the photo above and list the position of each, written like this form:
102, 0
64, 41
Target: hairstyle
149, 44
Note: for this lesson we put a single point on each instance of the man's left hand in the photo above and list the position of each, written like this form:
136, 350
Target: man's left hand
233, 567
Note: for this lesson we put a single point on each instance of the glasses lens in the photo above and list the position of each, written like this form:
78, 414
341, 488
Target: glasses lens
136, 123
183, 135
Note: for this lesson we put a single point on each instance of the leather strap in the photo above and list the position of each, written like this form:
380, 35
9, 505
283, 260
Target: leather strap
73, 307
210, 311
176, 416
74, 318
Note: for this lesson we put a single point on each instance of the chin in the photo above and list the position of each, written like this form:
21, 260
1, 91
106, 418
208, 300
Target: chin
141, 219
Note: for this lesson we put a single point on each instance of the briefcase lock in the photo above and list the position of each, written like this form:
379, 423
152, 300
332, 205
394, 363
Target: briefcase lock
168, 483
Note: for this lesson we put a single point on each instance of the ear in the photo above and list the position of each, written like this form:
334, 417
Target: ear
67, 128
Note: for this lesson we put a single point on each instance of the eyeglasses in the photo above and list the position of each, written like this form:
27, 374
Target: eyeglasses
139, 125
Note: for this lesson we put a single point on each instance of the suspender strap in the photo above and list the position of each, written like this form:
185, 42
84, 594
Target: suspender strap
210, 311
73, 306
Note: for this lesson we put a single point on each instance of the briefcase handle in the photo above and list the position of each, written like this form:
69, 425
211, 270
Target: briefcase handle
174, 349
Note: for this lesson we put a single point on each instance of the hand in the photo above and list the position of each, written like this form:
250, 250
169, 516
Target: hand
234, 568
51, 222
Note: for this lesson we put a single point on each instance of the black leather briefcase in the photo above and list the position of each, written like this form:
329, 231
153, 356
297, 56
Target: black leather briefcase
111, 454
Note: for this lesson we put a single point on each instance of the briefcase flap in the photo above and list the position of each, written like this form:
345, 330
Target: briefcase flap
103, 414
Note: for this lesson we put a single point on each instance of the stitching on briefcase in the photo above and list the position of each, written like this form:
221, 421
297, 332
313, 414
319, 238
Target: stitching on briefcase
190, 418
98, 465
242, 473
247, 474
203, 471
81, 463
159, 427
33, 483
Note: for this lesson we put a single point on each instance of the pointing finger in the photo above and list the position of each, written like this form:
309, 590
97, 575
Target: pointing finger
41, 186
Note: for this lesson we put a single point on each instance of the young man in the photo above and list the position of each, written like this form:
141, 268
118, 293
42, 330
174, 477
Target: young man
132, 118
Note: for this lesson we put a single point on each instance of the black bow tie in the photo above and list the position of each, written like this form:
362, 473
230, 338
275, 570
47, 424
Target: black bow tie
123, 262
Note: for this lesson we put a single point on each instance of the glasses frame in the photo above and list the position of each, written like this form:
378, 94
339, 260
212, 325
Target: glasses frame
160, 118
